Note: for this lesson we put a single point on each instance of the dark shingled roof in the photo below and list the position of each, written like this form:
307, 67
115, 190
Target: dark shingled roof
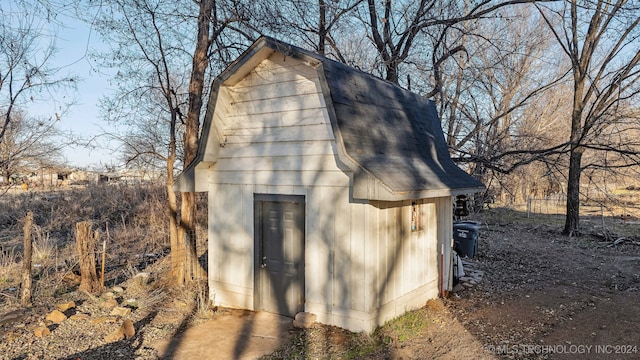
393, 133
389, 137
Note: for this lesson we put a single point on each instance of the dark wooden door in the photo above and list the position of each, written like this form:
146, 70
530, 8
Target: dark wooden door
280, 249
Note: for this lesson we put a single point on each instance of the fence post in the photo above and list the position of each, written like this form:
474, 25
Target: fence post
26, 261
86, 240
528, 207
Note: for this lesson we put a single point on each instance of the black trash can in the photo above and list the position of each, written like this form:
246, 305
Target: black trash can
465, 238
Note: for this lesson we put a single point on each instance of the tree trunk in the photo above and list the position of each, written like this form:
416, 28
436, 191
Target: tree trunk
86, 243
392, 71
322, 27
177, 246
187, 231
176, 243
26, 261
571, 225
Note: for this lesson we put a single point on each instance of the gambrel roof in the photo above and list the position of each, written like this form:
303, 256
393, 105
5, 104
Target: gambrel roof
388, 137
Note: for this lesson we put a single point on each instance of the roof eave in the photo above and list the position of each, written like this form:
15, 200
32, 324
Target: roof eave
193, 178
367, 187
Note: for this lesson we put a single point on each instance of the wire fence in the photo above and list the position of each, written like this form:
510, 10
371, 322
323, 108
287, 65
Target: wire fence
611, 214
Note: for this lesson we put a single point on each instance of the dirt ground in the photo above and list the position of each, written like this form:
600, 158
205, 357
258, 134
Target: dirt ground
546, 296
543, 296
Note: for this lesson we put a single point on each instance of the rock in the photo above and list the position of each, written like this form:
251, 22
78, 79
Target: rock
79, 316
120, 311
41, 331
458, 288
128, 329
109, 303
304, 320
116, 335
11, 335
109, 294
103, 319
117, 289
131, 302
56, 317
66, 306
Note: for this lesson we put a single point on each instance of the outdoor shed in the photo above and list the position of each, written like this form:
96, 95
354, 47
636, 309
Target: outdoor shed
330, 190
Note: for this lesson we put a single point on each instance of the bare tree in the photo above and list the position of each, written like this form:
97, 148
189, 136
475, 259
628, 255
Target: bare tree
494, 88
601, 40
396, 27
159, 73
310, 23
137, 32
213, 19
26, 52
29, 144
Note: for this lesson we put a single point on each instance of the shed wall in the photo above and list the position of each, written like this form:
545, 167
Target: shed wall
364, 265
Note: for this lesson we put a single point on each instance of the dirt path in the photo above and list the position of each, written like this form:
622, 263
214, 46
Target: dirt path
231, 335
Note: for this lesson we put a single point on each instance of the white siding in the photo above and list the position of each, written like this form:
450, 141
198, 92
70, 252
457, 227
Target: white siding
276, 139
404, 262
364, 265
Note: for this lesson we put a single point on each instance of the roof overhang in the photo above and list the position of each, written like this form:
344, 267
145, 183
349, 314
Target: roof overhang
367, 187
194, 178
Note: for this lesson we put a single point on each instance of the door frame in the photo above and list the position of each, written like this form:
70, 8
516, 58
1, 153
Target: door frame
259, 198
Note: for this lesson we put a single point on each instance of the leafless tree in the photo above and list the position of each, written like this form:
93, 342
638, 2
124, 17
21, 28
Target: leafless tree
211, 24
160, 79
494, 88
397, 28
601, 40
27, 77
29, 144
314, 24
137, 32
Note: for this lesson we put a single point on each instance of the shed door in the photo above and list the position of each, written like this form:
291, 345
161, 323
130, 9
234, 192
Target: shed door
280, 254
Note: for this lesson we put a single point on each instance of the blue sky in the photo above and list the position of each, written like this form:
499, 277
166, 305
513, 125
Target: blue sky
74, 41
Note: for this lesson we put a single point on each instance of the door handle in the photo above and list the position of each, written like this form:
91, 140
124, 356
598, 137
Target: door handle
264, 262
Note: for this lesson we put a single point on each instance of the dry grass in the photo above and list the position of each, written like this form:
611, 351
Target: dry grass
131, 220
9, 267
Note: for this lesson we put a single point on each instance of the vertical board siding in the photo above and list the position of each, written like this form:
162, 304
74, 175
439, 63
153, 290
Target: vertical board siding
318, 250
357, 252
215, 253
230, 246
405, 260
235, 241
431, 251
445, 236
276, 138
343, 285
